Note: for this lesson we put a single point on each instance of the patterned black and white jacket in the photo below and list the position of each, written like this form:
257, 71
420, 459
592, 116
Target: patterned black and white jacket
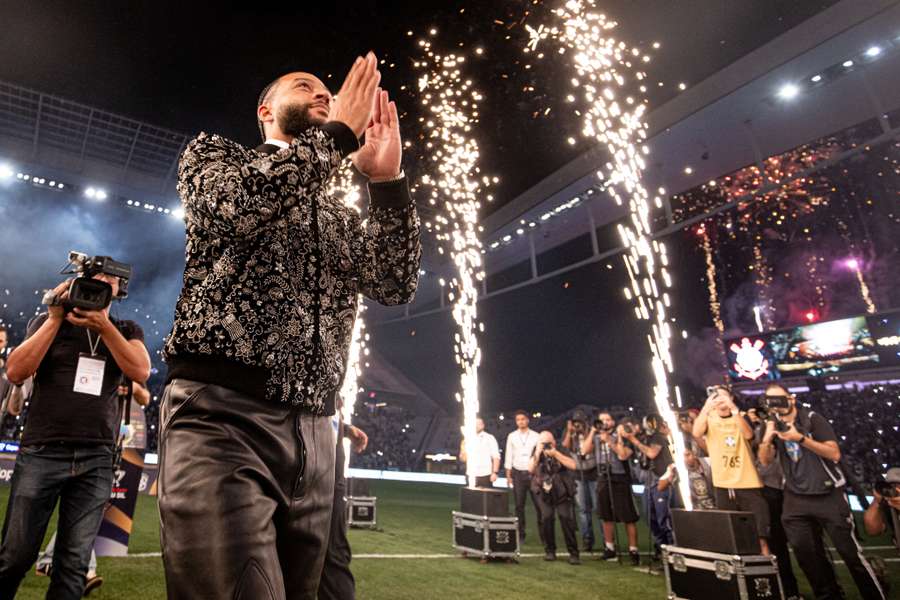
274, 266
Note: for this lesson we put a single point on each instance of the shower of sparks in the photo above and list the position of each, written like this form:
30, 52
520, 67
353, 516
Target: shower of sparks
451, 104
602, 65
762, 277
342, 186
715, 307
864, 292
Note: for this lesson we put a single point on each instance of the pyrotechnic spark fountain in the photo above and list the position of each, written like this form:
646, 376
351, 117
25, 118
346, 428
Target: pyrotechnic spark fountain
762, 277
343, 187
715, 307
602, 65
854, 266
451, 102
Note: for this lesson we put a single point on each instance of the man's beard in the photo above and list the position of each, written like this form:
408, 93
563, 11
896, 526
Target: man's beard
294, 119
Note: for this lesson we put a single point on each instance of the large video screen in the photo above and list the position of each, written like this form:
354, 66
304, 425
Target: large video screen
816, 350
824, 348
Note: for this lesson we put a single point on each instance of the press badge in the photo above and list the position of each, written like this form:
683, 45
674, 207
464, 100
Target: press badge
89, 374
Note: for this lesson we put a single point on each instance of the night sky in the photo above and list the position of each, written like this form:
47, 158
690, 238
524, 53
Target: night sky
193, 66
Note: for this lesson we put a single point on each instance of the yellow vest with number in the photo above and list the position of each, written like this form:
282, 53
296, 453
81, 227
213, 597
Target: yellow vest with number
730, 455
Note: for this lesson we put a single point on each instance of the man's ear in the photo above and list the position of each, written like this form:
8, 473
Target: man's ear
264, 113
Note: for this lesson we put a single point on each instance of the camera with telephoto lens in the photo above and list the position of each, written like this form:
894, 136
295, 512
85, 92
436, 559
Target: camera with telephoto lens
766, 406
88, 293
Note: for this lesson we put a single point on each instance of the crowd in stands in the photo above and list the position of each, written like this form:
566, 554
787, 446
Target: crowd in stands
391, 432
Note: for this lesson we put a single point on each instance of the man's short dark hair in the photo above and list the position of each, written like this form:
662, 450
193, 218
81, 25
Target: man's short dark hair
521, 412
775, 384
263, 96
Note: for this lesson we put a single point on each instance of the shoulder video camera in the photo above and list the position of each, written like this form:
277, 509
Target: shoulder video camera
88, 293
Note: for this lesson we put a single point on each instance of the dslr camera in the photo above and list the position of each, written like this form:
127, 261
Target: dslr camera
88, 293
599, 425
765, 409
886, 489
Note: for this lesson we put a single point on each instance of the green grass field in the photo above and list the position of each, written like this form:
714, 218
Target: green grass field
415, 519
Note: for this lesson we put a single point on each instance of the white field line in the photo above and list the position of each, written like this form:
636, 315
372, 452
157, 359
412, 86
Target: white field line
458, 555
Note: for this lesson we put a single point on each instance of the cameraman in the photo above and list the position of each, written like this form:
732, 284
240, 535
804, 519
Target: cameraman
728, 436
884, 513
67, 447
654, 463
551, 469
814, 494
585, 476
614, 501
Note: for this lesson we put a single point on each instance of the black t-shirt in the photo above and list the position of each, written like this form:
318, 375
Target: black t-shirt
558, 478
662, 461
59, 414
805, 472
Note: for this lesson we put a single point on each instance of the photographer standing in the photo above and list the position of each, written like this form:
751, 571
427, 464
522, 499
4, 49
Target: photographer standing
654, 463
577, 429
728, 436
520, 446
67, 447
552, 482
615, 503
814, 495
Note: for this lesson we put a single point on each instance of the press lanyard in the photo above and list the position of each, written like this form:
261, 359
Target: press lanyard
91, 343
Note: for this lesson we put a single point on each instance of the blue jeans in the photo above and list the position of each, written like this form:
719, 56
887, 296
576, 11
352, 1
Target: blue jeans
586, 501
80, 478
656, 506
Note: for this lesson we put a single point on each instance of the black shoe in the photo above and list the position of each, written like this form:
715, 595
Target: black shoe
609, 555
635, 558
574, 560
550, 556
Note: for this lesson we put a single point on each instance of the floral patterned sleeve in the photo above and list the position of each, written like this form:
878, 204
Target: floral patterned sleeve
388, 252
233, 192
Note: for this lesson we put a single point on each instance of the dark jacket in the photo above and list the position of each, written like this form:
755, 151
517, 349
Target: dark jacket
274, 266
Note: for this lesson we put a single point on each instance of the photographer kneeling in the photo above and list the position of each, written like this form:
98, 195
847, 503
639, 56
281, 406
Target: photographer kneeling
67, 450
615, 503
551, 469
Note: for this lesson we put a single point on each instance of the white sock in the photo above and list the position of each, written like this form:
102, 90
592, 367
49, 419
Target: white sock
632, 549
610, 546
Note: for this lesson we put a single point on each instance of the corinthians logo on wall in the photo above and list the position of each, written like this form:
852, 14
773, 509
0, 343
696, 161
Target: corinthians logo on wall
749, 360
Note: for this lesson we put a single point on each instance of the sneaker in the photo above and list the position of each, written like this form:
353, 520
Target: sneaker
550, 556
92, 584
574, 560
609, 555
42, 570
635, 558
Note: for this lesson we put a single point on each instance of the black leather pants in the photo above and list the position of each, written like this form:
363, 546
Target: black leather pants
245, 495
